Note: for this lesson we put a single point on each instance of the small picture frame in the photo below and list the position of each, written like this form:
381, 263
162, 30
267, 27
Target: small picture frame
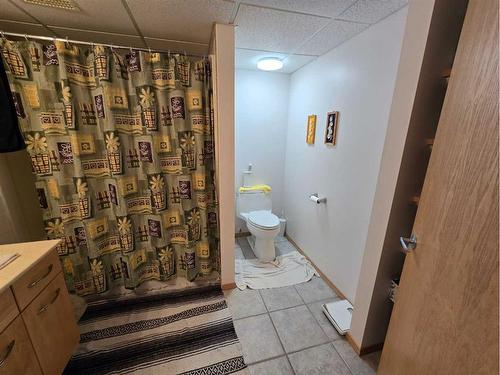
331, 128
311, 129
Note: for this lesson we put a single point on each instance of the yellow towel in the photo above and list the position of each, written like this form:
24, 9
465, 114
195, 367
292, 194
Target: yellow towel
261, 187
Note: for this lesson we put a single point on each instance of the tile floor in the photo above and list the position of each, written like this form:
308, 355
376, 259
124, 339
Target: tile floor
284, 331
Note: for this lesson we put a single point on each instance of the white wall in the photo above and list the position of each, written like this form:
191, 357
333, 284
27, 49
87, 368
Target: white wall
357, 79
261, 122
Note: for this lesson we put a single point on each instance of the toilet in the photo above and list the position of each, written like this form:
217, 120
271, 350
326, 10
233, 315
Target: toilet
254, 206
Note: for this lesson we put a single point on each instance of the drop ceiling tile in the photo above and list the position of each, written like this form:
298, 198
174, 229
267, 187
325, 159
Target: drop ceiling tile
172, 45
99, 15
247, 59
295, 62
11, 12
23, 28
274, 30
99, 37
331, 36
372, 11
329, 8
186, 20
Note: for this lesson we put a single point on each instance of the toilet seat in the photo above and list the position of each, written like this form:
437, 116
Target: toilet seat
264, 220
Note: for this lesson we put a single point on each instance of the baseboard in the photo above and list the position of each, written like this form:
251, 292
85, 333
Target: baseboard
323, 276
228, 286
353, 343
363, 351
372, 348
241, 234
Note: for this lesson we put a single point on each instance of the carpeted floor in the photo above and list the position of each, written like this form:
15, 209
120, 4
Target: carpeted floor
189, 332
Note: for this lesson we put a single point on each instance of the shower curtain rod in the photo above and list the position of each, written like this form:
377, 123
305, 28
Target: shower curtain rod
112, 46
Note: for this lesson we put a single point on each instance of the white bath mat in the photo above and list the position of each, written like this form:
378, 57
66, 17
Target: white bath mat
287, 269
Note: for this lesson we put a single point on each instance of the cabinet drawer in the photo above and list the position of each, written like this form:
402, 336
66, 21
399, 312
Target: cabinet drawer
34, 280
52, 327
8, 308
16, 353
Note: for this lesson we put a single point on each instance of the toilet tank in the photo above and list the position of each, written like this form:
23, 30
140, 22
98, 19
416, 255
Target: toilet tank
253, 201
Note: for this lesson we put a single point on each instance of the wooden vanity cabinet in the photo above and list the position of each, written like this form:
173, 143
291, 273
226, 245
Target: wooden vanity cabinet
17, 355
38, 331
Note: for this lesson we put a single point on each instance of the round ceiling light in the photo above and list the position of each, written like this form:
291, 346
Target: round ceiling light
270, 63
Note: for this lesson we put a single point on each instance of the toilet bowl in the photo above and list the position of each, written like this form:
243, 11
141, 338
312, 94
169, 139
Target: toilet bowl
264, 226
254, 206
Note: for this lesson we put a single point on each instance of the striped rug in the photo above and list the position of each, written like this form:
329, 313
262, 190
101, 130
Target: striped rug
189, 332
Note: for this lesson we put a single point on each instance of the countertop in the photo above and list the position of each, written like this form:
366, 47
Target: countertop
30, 254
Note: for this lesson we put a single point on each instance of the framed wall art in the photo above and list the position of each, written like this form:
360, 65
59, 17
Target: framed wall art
332, 119
311, 129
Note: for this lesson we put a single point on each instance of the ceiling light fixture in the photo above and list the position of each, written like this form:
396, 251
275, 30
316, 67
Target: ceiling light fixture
269, 64
62, 4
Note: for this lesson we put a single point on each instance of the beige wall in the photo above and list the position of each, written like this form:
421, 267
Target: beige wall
222, 55
412, 54
20, 214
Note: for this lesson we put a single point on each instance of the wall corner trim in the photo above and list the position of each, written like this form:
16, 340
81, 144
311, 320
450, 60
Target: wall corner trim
222, 58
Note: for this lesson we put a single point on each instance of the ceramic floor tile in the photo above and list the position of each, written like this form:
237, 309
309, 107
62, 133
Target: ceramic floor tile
320, 360
242, 241
258, 338
280, 239
238, 253
243, 303
281, 298
245, 248
248, 253
284, 247
297, 328
277, 366
357, 364
315, 290
317, 310
373, 359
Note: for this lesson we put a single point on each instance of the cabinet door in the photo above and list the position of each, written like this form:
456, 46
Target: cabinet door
16, 353
8, 308
51, 326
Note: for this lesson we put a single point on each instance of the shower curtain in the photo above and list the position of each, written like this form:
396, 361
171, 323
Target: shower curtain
122, 148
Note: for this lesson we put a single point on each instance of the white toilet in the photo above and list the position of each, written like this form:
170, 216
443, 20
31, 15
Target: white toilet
255, 208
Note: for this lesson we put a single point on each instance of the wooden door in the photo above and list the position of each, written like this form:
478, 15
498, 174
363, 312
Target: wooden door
445, 320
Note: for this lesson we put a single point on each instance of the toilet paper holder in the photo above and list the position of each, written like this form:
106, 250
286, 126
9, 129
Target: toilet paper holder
316, 199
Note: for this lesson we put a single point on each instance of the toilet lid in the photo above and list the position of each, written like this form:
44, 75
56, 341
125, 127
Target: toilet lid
263, 219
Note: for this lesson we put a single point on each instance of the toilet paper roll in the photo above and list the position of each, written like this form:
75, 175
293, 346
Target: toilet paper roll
314, 198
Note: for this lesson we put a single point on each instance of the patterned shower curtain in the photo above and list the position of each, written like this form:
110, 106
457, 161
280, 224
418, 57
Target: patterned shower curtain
122, 149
